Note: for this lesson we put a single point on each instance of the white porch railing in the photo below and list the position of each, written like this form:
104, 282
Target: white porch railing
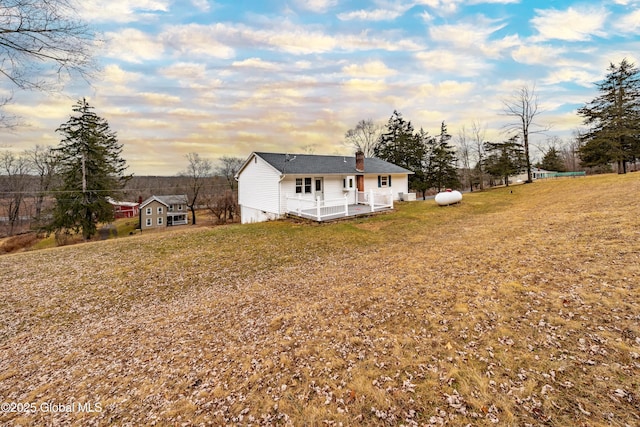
317, 209
375, 200
177, 218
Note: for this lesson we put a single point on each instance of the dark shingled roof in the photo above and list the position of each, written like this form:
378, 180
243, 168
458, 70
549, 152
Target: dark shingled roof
173, 199
314, 164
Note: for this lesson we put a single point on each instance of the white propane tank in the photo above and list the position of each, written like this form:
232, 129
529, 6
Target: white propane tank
448, 197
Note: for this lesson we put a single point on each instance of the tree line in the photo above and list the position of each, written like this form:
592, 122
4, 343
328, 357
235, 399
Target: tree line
470, 161
436, 161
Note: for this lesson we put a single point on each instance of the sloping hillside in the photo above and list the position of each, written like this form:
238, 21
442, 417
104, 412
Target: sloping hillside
519, 306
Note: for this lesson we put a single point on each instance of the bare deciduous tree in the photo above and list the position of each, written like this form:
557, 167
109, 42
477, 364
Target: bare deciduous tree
198, 171
479, 132
364, 136
44, 162
224, 206
38, 37
7, 121
464, 153
522, 106
14, 174
227, 168
570, 151
472, 149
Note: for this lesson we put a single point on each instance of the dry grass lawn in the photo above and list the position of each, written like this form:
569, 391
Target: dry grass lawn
521, 306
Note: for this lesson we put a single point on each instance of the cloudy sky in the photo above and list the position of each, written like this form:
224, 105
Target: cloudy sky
231, 77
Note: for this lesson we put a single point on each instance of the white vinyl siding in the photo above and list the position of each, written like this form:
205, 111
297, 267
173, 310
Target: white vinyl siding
332, 187
399, 183
250, 215
258, 190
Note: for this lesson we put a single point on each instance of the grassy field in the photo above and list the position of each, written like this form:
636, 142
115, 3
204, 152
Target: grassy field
521, 306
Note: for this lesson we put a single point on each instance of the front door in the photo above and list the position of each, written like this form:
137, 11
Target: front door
360, 182
319, 188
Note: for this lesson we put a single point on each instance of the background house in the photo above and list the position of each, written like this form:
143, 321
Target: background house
124, 209
163, 211
266, 181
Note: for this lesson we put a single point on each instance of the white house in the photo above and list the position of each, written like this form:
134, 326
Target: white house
271, 185
536, 173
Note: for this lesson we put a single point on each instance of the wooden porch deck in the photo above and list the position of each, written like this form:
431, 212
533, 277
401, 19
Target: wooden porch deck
353, 211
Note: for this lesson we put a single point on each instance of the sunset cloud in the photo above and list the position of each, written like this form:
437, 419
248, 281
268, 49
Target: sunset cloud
369, 69
134, 46
573, 24
122, 11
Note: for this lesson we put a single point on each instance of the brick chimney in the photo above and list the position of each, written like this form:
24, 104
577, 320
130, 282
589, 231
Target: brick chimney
360, 161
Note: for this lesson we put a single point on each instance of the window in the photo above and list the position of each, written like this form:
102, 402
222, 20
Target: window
159, 210
303, 184
318, 185
159, 220
347, 182
148, 211
384, 181
148, 222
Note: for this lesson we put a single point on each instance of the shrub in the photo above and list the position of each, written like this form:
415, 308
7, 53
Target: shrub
18, 242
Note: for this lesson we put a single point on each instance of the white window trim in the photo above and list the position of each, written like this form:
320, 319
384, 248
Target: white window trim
149, 211
305, 183
160, 220
159, 210
149, 222
348, 182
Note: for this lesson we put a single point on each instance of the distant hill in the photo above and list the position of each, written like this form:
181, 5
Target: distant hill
142, 187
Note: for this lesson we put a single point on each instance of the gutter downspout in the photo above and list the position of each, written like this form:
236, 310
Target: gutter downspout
282, 177
237, 178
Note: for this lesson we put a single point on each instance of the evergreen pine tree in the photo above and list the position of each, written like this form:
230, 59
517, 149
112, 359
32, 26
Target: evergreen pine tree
552, 161
399, 145
443, 171
421, 180
614, 117
91, 170
504, 158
